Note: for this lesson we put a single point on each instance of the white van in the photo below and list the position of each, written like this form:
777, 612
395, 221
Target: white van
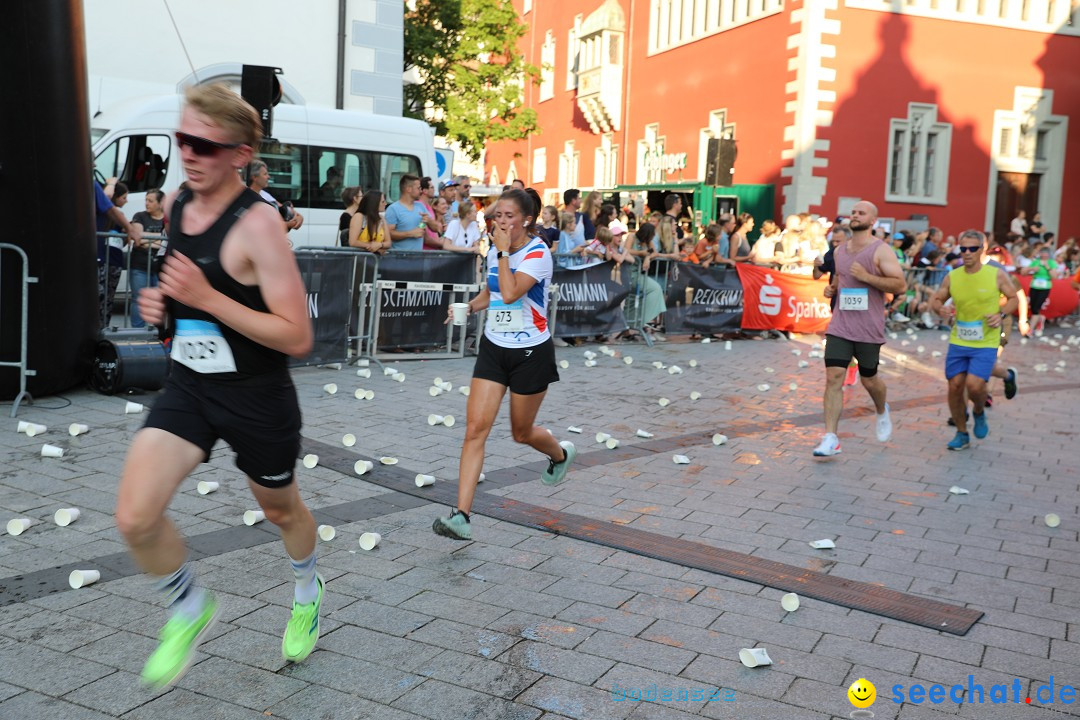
135, 142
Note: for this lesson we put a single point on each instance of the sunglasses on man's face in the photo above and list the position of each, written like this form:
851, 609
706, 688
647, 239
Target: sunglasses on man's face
201, 146
969, 248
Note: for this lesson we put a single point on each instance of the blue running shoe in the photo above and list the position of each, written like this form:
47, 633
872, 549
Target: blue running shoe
981, 428
960, 442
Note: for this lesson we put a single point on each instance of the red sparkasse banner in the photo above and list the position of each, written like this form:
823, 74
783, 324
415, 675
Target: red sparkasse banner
775, 301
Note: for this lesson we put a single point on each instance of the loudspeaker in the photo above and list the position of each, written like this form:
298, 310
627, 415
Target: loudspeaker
259, 86
720, 162
121, 365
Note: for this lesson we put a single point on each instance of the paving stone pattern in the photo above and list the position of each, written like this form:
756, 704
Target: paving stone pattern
527, 624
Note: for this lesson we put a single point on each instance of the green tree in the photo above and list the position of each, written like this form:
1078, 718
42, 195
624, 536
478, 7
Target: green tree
465, 54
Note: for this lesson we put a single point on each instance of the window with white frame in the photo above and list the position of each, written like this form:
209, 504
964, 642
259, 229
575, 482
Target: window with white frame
607, 161
568, 166
676, 22
918, 159
547, 67
572, 47
539, 165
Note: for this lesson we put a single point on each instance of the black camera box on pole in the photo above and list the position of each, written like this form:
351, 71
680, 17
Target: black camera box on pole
261, 89
720, 162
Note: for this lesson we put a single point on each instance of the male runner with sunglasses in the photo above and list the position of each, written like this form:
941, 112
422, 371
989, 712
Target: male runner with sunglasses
231, 292
975, 290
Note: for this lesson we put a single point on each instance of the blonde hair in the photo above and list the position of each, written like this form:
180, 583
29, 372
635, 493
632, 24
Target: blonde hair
591, 206
604, 236
667, 236
567, 220
228, 111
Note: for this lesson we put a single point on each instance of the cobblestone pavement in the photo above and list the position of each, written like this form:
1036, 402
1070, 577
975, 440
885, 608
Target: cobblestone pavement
526, 624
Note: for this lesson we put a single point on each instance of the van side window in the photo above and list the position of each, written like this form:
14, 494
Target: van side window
286, 165
139, 161
330, 170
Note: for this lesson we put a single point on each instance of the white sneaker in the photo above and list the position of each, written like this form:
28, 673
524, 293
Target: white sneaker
928, 320
884, 425
830, 445
900, 317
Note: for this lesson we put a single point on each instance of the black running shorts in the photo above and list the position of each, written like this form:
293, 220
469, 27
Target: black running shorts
258, 417
526, 371
838, 353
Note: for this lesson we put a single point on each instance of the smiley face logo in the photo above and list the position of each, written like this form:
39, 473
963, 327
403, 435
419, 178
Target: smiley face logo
862, 693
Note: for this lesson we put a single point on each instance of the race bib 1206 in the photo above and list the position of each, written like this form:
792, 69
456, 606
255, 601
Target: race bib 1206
971, 331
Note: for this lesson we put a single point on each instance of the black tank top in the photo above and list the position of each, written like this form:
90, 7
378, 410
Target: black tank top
252, 359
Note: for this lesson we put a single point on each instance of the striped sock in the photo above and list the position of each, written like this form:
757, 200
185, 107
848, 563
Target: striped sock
181, 594
307, 589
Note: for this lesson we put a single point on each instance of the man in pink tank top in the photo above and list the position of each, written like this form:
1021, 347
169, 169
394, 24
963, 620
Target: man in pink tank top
866, 269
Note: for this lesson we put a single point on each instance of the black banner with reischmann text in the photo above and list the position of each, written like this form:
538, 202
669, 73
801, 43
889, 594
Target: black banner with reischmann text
703, 299
411, 319
590, 299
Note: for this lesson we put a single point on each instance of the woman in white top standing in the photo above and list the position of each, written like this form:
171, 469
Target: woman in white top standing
516, 353
463, 230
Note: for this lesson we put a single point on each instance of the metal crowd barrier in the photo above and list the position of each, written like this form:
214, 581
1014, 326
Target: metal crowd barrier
24, 315
362, 334
459, 292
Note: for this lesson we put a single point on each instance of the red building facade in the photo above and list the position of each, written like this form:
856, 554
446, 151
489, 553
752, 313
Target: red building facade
960, 110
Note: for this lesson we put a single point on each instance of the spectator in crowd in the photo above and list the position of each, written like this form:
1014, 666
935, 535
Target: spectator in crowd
1019, 224
739, 246
259, 180
1024, 258
669, 242
645, 246
590, 210
1059, 254
549, 226
709, 251
517, 183
606, 215
570, 242
654, 218
428, 192
110, 251
600, 247
144, 271
463, 231
405, 218
367, 229
328, 191
350, 198
826, 264
572, 205
673, 207
435, 230
1070, 259
933, 241
449, 191
1043, 270
788, 254
765, 250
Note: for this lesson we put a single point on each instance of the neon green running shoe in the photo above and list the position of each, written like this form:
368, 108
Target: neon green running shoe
303, 628
179, 639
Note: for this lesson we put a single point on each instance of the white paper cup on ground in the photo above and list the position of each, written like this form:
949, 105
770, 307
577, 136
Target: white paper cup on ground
447, 385
754, 657
612, 443
482, 478
251, 517
804, 364
387, 460
628, 360
363, 363
51, 451
369, 394
564, 364
590, 363
769, 370
399, 377
424, 480
330, 388
327, 533
763, 387
132, 408
362, 467
658, 365
573, 429
674, 370
205, 487
78, 429
65, 516
311, 460
790, 602
796, 352
795, 386
957, 490
695, 395
663, 402
693, 363
644, 434
363, 372
82, 578
18, 526
706, 341
464, 390
23, 424
460, 312
825, 544
727, 344
435, 420
449, 421
681, 460
590, 355
602, 437
369, 540
389, 371
33, 429
1052, 520
348, 439
719, 439
435, 391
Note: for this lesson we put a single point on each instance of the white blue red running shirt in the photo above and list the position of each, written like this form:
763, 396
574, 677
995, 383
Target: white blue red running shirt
534, 259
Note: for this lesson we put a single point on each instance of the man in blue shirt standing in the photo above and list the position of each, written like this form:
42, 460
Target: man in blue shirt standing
406, 218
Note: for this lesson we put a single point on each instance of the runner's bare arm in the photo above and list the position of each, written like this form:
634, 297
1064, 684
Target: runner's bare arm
286, 326
937, 300
1007, 288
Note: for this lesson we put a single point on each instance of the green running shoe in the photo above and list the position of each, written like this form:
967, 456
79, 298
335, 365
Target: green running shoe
179, 639
556, 471
455, 526
303, 628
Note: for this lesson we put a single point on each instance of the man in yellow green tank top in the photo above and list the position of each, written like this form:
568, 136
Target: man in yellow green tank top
975, 290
